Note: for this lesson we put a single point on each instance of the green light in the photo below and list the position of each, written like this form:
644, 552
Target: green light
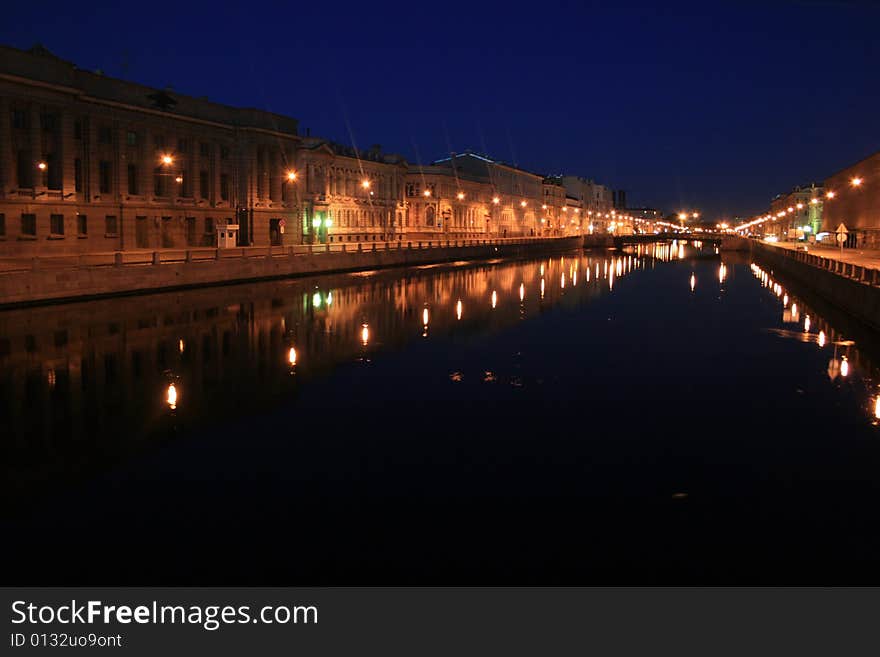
316, 300
316, 222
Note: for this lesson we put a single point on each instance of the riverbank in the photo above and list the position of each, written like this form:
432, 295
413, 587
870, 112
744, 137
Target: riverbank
853, 288
50, 280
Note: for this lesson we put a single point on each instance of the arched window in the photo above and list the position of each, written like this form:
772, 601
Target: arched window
429, 215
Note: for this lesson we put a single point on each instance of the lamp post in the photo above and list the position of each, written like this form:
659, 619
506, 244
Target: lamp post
290, 179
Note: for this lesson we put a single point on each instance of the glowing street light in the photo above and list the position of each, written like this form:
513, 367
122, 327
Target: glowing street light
365, 184
856, 182
496, 200
460, 196
41, 166
830, 194
167, 159
178, 179
291, 176
426, 193
522, 203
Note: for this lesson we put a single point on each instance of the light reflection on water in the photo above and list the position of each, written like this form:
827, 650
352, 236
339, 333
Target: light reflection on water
80, 376
844, 362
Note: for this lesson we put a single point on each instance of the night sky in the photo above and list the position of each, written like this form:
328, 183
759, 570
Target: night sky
714, 106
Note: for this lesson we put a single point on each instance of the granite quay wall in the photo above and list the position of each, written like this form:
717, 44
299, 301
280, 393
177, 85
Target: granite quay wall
44, 280
852, 288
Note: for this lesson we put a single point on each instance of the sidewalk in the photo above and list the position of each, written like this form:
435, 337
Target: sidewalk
868, 258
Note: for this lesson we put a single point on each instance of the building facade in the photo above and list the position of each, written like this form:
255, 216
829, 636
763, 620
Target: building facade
852, 198
347, 195
92, 164
797, 213
514, 196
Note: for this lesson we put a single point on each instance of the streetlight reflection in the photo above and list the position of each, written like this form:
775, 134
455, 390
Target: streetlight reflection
171, 396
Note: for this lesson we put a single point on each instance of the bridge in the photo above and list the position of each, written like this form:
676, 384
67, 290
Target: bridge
648, 238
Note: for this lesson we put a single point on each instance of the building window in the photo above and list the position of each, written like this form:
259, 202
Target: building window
77, 129
77, 175
26, 168
82, 225
48, 122
224, 152
111, 227
204, 149
104, 178
105, 135
53, 171
185, 185
159, 182
224, 186
2, 226
29, 225
209, 231
204, 182
56, 224
133, 179
131, 138
159, 141
182, 145
20, 119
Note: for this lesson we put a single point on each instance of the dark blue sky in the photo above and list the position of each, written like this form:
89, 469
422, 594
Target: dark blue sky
716, 106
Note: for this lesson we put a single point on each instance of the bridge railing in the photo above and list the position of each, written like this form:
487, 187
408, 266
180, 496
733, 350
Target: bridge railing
859, 273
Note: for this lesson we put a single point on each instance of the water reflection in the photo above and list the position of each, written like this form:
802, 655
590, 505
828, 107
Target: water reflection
74, 378
171, 396
846, 363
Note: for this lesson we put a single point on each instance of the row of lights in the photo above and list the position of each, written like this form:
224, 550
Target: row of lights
855, 182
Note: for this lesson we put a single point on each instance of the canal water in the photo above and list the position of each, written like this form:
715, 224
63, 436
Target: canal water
660, 415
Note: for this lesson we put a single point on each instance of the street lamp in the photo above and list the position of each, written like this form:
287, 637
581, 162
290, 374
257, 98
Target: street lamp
291, 176
856, 182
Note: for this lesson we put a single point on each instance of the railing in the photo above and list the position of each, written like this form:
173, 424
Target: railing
859, 273
201, 254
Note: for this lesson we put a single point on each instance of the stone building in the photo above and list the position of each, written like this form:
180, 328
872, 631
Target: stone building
348, 195
596, 200
92, 164
797, 212
853, 199
513, 196
444, 201
554, 217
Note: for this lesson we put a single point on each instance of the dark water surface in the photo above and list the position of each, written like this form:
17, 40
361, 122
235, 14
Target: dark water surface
662, 415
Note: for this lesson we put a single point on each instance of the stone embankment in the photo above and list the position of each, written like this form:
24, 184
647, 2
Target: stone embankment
43, 280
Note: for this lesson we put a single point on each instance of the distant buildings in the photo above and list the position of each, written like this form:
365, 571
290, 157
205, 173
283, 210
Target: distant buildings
850, 197
90, 164
797, 213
